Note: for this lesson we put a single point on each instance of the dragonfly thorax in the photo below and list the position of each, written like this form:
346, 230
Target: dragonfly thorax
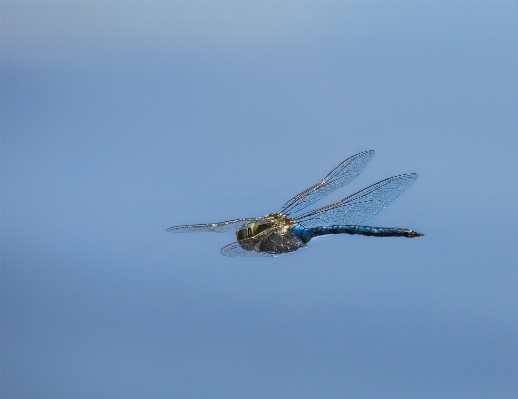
276, 219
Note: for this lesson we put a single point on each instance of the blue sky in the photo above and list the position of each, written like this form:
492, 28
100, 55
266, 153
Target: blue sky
119, 120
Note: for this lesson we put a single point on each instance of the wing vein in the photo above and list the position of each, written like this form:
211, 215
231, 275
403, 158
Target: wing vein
339, 177
359, 206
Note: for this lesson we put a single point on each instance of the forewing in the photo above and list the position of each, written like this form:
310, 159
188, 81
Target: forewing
221, 227
340, 176
360, 206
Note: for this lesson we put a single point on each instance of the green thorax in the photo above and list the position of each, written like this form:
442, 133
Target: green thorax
276, 219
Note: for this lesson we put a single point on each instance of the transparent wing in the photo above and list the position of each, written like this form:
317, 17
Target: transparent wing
247, 247
221, 227
272, 242
235, 250
360, 206
340, 176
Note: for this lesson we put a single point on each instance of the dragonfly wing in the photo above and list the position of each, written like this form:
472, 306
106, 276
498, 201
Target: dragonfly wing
221, 227
272, 242
360, 206
340, 176
235, 250
247, 247
281, 241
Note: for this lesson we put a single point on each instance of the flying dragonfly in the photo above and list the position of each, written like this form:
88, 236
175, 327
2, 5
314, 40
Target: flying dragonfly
282, 233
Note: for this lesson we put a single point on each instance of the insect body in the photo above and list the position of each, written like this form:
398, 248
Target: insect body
279, 233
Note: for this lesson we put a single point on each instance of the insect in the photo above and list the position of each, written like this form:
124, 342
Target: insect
281, 233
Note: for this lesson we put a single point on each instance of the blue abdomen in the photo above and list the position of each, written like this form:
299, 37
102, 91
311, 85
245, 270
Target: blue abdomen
307, 234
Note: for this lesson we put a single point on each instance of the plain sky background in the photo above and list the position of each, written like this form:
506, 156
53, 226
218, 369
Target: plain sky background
120, 119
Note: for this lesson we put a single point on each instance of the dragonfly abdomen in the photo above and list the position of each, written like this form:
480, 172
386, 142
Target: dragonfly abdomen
306, 234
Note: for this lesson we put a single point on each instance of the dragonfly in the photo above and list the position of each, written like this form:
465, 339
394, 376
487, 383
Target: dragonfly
283, 233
